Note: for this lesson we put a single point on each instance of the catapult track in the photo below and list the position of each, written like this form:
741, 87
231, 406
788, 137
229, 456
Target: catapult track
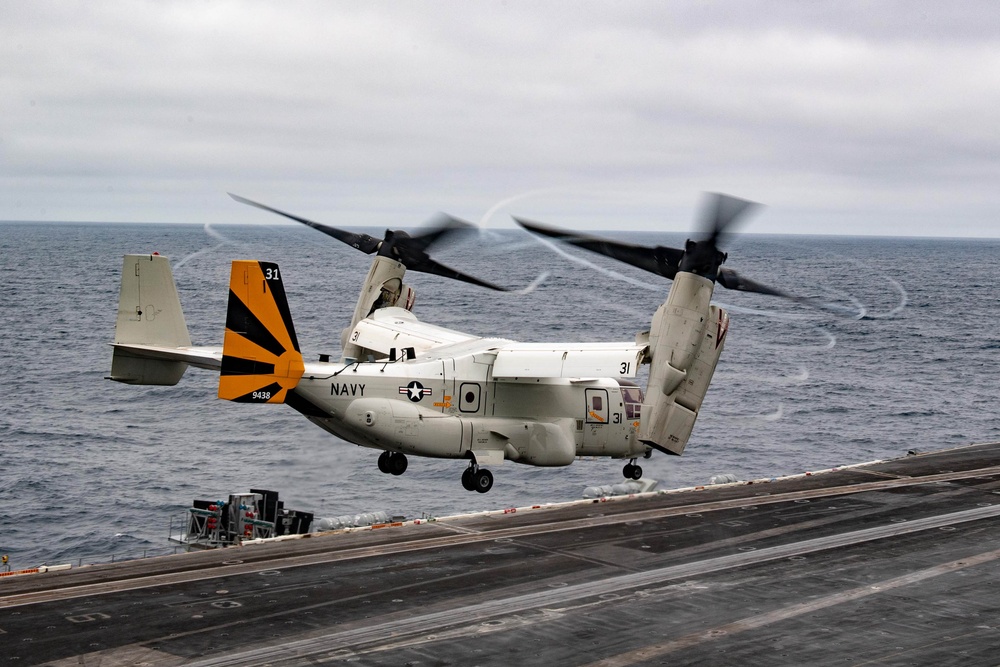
894, 561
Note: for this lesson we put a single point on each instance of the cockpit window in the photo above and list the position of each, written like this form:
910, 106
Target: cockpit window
632, 397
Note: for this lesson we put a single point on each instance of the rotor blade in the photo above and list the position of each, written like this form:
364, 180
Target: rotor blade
363, 242
411, 250
734, 281
720, 211
428, 265
660, 260
441, 225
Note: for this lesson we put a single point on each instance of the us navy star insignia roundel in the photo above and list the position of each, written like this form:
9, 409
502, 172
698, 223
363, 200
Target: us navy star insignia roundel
415, 391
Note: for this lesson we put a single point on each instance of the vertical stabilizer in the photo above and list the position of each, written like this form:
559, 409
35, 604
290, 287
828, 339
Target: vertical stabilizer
149, 313
260, 354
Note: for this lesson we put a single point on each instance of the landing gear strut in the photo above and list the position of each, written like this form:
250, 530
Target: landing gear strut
478, 479
392, 462
632, 471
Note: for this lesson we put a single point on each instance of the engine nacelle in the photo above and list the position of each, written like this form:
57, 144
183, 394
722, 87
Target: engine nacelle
382, 288
685, 343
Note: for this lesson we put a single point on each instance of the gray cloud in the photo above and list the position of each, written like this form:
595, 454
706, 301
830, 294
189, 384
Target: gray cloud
847, 118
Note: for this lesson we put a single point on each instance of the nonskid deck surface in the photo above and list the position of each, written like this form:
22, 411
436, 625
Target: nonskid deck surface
891, 563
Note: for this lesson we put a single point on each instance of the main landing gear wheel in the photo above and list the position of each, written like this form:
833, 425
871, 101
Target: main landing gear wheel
392, 462
483, 480
478, 479
632, 471
468, 479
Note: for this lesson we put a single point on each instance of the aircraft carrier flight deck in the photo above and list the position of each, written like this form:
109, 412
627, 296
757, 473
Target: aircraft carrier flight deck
889, 563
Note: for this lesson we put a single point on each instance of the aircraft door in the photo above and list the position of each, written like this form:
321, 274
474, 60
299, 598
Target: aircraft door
595, 431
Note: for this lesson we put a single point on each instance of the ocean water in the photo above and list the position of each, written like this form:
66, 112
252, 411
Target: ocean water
91, 469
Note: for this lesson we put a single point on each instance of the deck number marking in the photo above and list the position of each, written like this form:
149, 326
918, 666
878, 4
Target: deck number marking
87, 618
226, 604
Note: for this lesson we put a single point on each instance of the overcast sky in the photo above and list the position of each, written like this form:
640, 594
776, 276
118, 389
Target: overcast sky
842, 117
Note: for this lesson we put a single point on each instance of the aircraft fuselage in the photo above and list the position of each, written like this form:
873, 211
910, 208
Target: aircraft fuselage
451, 406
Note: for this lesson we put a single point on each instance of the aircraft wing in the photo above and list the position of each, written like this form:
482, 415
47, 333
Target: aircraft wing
398, 328
573, 360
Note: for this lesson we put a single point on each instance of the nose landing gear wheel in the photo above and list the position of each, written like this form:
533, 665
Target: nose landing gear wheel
632, 471
397, 463
383, 462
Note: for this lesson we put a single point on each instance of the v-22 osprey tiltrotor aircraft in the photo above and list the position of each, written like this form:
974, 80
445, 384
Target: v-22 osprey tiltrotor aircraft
407, 387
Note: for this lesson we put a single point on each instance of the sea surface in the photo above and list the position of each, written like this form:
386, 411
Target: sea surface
92, 470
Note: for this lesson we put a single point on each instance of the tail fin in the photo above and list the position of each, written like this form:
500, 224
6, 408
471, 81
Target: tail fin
260, 353
149, 313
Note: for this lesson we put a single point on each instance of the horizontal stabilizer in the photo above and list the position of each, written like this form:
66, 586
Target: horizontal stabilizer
260, 353
200, 356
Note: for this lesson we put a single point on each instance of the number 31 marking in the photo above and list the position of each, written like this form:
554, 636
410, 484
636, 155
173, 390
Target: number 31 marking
271, 273
626, 367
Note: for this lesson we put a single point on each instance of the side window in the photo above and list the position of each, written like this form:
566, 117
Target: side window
469, 397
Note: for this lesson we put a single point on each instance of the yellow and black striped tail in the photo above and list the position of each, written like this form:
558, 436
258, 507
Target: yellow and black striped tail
261, 361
